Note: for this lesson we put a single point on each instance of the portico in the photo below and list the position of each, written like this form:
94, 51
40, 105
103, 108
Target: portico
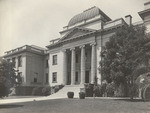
79, 64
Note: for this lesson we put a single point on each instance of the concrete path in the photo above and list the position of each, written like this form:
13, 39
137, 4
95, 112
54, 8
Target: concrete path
19, 100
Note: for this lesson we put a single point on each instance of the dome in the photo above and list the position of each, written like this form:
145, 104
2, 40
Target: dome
87, 14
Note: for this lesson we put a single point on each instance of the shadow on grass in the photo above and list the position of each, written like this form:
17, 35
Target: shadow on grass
129, 100
10, 106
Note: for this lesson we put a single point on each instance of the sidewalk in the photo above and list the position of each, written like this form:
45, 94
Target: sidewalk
30, 99
26, 99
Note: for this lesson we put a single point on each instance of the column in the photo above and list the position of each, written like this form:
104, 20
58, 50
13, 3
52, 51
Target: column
82, 64
93, 63
73, 66
64, 67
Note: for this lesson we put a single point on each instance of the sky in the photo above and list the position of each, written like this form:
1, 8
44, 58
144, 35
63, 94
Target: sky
36, 22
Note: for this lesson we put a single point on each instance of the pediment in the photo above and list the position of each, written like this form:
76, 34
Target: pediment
76, 32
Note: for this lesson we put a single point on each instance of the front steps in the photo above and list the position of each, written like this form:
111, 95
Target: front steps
62, 93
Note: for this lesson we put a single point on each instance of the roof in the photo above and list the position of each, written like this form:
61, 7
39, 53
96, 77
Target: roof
87, 14
141, 13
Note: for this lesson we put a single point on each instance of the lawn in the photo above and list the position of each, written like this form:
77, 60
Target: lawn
78, 106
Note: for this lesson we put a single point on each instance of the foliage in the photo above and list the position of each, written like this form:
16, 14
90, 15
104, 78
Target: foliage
81, 95
46, 91
37, 91
110, 89
97, 91
88, 90
70, 94
125, 51
8, 77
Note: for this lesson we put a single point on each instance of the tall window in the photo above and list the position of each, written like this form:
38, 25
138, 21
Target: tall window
46, 63
35, 77
54, 59
19, 61
14, 61
8, 60
46, 77
77, 58
20, 78
76, 79
54, 77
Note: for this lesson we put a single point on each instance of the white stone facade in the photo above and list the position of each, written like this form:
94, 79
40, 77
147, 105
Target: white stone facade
74, 58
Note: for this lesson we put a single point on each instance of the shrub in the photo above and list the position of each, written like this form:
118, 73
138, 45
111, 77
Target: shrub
82, 95
24, 90
70, 94
46, 91
97, 90
110, 88
56, 88
37, 91
88, 90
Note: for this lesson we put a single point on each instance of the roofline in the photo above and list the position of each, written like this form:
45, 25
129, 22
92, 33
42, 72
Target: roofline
141, 13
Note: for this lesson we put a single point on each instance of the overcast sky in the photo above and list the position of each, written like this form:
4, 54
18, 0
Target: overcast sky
36, 22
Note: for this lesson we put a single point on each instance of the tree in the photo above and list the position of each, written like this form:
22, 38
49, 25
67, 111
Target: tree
126, 51
8, 77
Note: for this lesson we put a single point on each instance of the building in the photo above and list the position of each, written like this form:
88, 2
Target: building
30, 63
145, 15
74, 58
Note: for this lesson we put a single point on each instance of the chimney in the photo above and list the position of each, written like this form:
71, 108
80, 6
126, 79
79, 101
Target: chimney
128, 19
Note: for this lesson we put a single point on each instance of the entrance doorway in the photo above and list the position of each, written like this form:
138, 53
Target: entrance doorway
87, 77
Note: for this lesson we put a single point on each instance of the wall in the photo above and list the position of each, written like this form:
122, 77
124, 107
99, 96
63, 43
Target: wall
56, 68
34, 68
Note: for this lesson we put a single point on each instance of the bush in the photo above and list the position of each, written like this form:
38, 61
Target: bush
88, 90
110, 88
46, 91
37, 91
70, 94
24, 90
4, 91
97, 91
56, 88
82, 95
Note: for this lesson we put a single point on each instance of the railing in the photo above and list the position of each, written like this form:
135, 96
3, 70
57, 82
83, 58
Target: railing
26, 47
114, 23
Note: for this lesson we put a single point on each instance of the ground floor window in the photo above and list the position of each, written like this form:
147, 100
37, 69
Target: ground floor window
35, 77
76, 78
54, 79
46, 77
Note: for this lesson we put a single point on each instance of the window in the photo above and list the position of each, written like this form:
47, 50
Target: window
19, 61
86, 56
35, 80
20, 79
14, 61
46, 78
46, 63
54, 77
35, 77
54, 59
77, 58
76, 79
8, 60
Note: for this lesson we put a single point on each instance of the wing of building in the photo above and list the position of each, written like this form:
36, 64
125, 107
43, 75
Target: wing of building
73, 58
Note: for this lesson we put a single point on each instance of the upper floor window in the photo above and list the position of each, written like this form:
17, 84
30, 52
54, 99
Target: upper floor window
14, 61
19, 61
46, 63
77, 58
8, 60
54, 79
54, 59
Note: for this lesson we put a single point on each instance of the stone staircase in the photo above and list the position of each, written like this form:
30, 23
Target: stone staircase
62, 93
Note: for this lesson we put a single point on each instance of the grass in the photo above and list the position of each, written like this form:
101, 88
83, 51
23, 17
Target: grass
78, 106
